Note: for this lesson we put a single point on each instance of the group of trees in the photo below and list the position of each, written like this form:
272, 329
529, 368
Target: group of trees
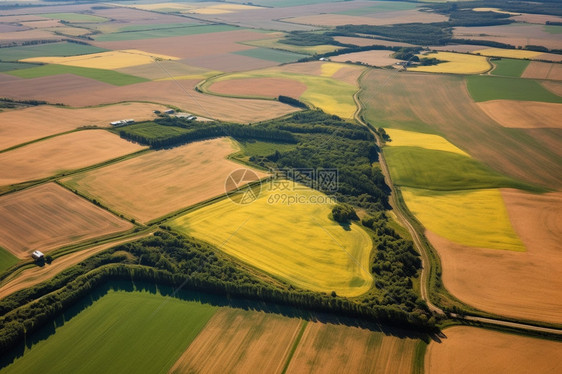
171, 259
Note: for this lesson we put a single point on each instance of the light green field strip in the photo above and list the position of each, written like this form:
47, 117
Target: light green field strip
418, 139
474, 218
6, 260
296, 242
123, 332
484, 88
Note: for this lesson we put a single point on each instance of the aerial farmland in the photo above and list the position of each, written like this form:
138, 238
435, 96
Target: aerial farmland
281, 186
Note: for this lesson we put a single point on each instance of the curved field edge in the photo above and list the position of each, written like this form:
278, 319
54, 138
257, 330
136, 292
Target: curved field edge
330, 95
299, 244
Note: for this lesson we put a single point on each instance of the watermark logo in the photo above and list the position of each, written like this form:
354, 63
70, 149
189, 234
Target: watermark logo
238, 186
295, 179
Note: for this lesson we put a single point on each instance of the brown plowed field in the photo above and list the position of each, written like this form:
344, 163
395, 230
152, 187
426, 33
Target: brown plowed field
555, 87
62, 153
161, 182
238, 341
543, 70
267, 87
328, 348
79, 91
523, 114
50, 216
373, 58
475, 350
516, 284
229, 62
385, 18
24, 125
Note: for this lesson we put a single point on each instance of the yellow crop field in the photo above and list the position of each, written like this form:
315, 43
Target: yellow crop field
456, 63
474, 218
332, 95
104, 60
510, 53
296, 242
328, 69
402, 138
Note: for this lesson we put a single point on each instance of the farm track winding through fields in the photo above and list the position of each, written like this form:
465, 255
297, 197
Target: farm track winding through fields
405, 219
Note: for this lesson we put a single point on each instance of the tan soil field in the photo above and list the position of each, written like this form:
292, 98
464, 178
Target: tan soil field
191, 45
50, 216
35, 275
267, 87
536, 18
32, 34
229, 62
506, 282
238, 341
24, 125
520, 34
384, 18
168, 69
328, 348
543, 70
79, 91
373, 58
161, 182
476, 350
447, 109
523, 114
555, 87
62, 153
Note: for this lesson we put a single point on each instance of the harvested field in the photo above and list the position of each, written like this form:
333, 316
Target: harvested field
329, 85
403, 101
543, 70
496, 352
128, 331
373, 58
536, 18
517, 34
383, 18
328, 348
35, 275
266, 87
269, 54
78, 91
401, 138
229, 62
505, 282
474, 218
459, 48
161, 182
50, 216
239, 341
523, 114
24, 125
61, 154
167, 69
554, 87
104, 60
190, 46
455, 63
49, 49
158, 33
7, 38
296, 242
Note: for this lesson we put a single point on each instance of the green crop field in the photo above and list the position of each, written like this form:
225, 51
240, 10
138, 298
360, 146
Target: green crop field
9, 66
134, 332
151, 130
48, 49
443, 171
508, 67
553, 29
107, 76
294, 241
6, 260
74, 17
271, 55
165, 32
484, 88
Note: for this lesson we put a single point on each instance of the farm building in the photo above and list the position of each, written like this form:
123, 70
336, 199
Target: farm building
122, 122
37, 255
169, 111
